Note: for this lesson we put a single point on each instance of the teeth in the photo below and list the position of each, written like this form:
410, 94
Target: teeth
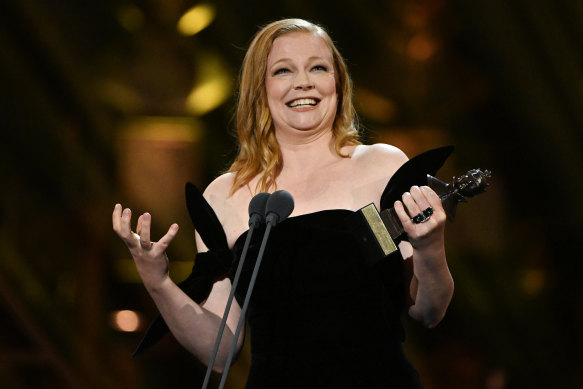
299, 102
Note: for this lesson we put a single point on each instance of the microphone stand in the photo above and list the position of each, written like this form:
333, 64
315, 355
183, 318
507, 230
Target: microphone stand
279, 206
245, 305
257, 212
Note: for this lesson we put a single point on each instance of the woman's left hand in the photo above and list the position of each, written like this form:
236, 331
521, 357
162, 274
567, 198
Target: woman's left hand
431, 285
423, 219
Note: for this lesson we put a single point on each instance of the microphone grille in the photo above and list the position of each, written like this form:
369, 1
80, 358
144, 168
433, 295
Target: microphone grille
257, 205
279, 205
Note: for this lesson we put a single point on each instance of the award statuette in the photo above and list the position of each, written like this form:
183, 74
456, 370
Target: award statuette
379, 232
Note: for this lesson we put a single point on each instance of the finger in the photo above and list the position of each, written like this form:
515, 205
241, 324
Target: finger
116, 217
434, 202
402, 214
167, 238
410, 204
432, 197
125, 229
420, 199
145, 231
139, 226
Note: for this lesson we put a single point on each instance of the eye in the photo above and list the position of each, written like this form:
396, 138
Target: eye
320, 68
281, 71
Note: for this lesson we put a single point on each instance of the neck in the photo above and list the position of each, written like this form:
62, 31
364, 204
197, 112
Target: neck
303, 150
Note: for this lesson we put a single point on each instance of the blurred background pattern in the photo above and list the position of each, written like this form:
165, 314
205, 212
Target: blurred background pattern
124, 101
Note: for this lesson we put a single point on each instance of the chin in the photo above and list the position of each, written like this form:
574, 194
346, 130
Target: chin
310, 124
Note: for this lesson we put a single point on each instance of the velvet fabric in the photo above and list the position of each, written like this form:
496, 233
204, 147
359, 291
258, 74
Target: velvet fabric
320, 316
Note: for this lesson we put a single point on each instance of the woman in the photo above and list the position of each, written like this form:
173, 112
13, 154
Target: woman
319, 316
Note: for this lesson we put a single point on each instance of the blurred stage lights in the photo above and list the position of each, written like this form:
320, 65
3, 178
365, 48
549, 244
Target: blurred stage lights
130, 17
207, 96
196, 19
125, 320
213, 86
421, 47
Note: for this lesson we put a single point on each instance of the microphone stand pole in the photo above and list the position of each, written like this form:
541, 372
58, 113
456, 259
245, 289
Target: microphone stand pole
245, 305
256, 217
226, 313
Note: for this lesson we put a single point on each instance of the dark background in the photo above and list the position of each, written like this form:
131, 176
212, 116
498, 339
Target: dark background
93, 112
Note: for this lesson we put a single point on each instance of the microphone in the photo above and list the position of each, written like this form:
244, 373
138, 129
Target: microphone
278, 207
257, 207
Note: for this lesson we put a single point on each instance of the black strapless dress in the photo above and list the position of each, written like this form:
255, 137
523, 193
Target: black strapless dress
319, 315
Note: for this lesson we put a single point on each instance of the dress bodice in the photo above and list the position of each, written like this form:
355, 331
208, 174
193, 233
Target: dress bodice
319, 316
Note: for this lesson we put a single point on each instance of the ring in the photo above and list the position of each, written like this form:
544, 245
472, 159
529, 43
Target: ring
428, 212
422, 217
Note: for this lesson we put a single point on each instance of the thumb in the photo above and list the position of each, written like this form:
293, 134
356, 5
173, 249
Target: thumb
169, 236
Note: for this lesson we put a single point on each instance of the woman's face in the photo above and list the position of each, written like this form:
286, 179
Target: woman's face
300, 83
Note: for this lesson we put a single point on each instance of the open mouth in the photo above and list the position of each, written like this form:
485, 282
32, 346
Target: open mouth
310, 102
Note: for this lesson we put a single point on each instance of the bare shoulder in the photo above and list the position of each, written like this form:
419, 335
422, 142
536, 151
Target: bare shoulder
372, 166
231, 209
381, 157
219, 189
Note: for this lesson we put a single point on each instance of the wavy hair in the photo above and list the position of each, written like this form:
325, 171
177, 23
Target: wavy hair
259, 152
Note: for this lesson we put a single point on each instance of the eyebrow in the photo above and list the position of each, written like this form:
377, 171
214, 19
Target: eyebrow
312, 58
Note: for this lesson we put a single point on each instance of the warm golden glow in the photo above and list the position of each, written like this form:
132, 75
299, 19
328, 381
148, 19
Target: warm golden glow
196, 19
374, 106
215, 86
208, 96
130, 17
125, 270
164, 129
180, 269
533, 281
421, 47
125, 321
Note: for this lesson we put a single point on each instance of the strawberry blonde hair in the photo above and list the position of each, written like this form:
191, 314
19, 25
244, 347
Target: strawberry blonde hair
259, 152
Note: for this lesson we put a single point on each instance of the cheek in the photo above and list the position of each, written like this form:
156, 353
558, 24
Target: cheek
330, 85
274, 96
275, 89
332, 89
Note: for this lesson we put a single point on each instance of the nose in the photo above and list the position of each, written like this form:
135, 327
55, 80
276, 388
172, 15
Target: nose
303, 81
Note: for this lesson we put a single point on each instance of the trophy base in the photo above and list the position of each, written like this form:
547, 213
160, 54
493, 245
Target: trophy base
372, 235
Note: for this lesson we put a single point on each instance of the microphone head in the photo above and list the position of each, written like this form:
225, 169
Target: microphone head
257, 209
279, 206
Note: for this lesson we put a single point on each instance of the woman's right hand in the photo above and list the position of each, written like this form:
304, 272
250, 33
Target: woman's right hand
150, 257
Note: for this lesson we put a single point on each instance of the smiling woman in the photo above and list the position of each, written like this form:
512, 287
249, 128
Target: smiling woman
301, 85
259, 152
320, 316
